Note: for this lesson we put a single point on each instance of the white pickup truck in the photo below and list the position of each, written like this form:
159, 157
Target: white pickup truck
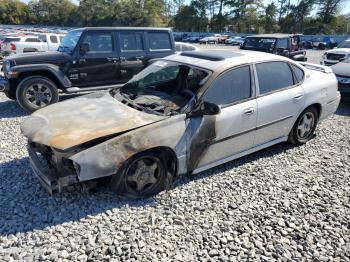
33, 43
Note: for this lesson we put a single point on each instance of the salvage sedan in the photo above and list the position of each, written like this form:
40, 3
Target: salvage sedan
182, 114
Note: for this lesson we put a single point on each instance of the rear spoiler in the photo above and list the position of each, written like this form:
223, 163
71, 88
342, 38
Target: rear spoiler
321, 68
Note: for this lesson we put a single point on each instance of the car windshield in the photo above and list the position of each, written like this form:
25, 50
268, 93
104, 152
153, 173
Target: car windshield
344, 44
69, 41
259, 43
164, 87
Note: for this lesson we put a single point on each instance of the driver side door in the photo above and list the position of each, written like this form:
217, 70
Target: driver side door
235, 125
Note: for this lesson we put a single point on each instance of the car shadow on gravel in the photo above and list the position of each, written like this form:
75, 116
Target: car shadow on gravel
344, 108
26, 206
11, 109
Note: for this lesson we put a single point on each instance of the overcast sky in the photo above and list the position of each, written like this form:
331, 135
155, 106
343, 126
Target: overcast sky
345, 9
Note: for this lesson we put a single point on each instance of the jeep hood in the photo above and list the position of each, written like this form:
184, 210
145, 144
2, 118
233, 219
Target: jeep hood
76, 121
52, 57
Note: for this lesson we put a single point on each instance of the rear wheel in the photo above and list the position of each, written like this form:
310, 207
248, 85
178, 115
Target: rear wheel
144, 175
36, 92
304, 128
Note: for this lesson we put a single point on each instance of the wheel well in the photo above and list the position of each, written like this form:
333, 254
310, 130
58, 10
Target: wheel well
167, 154
317, 107
43, 73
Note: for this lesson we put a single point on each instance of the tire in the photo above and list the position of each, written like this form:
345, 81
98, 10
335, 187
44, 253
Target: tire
143, 175
304, 128
321, 47
36, 92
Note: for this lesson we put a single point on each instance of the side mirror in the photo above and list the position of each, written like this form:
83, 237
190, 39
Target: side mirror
84, 48
206, 108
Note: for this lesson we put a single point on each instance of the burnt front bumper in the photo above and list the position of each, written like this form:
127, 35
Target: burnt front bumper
48, 175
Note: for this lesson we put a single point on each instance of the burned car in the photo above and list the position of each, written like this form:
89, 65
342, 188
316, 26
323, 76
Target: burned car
182, 114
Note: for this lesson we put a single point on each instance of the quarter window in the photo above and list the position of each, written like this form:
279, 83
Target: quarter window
273, 76
131, 41
298, 72
159, 40
99, 42
231, 87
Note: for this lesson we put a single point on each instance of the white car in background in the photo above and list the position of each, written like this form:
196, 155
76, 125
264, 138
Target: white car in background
180, 47
31, 43
331, 57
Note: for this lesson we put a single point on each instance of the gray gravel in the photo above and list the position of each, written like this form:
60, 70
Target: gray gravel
283, 203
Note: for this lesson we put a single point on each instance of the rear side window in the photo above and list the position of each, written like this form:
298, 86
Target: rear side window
273, 76
131, 41
32, 40
282, 43
99, 42
298, 72
53, 39
231, 87
159, 40
10, 39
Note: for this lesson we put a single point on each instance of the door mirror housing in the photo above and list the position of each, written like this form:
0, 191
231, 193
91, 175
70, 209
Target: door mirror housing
84, 48
206, 109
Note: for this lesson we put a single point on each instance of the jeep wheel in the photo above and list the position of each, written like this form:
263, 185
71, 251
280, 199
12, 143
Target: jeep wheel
36, 92
144, 175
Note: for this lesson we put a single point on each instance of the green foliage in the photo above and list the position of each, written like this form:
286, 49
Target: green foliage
249, 16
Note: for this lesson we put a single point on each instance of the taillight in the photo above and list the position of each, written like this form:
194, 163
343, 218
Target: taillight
13, 47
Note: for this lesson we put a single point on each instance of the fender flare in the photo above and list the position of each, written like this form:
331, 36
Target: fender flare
53, 69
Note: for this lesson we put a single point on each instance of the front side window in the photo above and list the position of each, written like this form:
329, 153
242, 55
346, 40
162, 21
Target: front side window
99, 42
231, 87
273, 76
131, 41
32, 40
159, 40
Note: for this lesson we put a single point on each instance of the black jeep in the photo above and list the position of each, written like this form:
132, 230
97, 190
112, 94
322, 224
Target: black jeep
88, 59
279, 44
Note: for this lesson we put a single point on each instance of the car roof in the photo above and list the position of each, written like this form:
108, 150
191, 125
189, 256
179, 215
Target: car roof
214, 59
123, 28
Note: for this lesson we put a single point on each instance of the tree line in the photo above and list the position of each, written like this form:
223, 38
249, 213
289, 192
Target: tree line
247, 16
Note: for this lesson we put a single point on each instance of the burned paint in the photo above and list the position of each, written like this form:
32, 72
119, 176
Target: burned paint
83, 119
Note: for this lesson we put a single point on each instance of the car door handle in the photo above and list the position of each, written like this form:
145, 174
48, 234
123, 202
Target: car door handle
249, 111
140, 57
298, 96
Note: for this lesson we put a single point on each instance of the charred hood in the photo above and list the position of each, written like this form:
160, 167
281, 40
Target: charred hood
77, 121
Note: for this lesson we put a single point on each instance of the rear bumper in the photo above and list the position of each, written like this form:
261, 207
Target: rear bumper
330, 107
48, 176
4, 84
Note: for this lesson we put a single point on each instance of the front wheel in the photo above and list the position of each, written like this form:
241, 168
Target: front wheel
36, 92
144, 175
304, 128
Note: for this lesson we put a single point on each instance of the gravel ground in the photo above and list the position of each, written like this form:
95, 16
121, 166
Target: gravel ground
283, 203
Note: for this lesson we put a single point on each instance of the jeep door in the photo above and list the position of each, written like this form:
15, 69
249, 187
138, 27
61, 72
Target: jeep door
280, 99
132, 53
235, 125
99, 65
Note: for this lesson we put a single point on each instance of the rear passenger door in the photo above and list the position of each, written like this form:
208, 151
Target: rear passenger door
280, 99
132, 53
